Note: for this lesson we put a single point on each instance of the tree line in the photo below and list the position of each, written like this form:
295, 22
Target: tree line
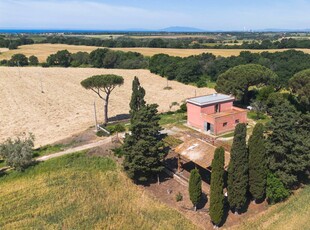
122, 42
203, 68
99, 58
13, 43
180, 43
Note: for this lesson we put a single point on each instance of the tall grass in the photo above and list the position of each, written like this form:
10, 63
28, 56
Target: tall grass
292, 214
80, 192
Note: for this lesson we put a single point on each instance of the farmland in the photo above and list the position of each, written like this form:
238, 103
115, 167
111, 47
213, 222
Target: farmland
42, 51
65, 108
80, 192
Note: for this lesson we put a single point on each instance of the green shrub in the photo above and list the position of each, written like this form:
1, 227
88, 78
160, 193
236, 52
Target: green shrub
183, 108
179, 197
4, 62
18, 153
45, 65
118, 152
18, 60
118, 128
202, 82
275, 191
101, 133
33, 60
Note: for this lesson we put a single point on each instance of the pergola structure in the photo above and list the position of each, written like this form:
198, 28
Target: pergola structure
199, 152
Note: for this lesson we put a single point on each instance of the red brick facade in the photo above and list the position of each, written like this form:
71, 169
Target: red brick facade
207, 119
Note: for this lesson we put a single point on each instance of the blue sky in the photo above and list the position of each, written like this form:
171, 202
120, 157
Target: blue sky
155, 14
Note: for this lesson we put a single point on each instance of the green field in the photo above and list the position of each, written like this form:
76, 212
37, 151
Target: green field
291, 215
80, 192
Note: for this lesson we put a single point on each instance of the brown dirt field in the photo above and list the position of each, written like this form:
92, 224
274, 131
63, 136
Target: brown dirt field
65, 108
42, 51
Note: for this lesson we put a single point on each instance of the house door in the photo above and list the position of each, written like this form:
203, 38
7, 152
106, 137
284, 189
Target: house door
207, 126
211, 128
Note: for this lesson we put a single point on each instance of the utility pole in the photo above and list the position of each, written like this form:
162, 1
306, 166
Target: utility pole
95, 113
18, 69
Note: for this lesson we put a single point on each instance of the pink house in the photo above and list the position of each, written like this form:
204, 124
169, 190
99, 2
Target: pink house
214, 113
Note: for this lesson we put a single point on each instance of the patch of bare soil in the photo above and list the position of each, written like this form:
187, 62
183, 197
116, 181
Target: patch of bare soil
167, 191
253, 210
82, 138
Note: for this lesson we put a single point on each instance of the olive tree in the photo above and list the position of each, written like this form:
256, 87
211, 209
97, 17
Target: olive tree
18, 153
103, 85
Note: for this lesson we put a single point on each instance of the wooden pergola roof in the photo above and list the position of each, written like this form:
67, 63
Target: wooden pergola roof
199, 152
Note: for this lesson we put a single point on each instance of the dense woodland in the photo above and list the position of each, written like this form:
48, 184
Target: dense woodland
14, 43
210, 40
201, 69
180, 43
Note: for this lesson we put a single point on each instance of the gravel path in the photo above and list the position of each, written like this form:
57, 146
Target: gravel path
76, 149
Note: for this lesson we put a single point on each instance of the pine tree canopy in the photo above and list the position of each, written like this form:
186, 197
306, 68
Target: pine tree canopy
288, 146
257, 163
238, 169
216, 187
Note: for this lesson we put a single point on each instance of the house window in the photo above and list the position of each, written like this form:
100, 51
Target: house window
224, 124
237, 121
217, 108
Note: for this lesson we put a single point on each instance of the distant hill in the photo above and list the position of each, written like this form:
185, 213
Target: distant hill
181, 29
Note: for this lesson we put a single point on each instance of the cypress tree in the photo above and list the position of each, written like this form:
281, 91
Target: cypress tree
216, 187
238, 170
137, 97
144, 148
195, 187
257, 163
